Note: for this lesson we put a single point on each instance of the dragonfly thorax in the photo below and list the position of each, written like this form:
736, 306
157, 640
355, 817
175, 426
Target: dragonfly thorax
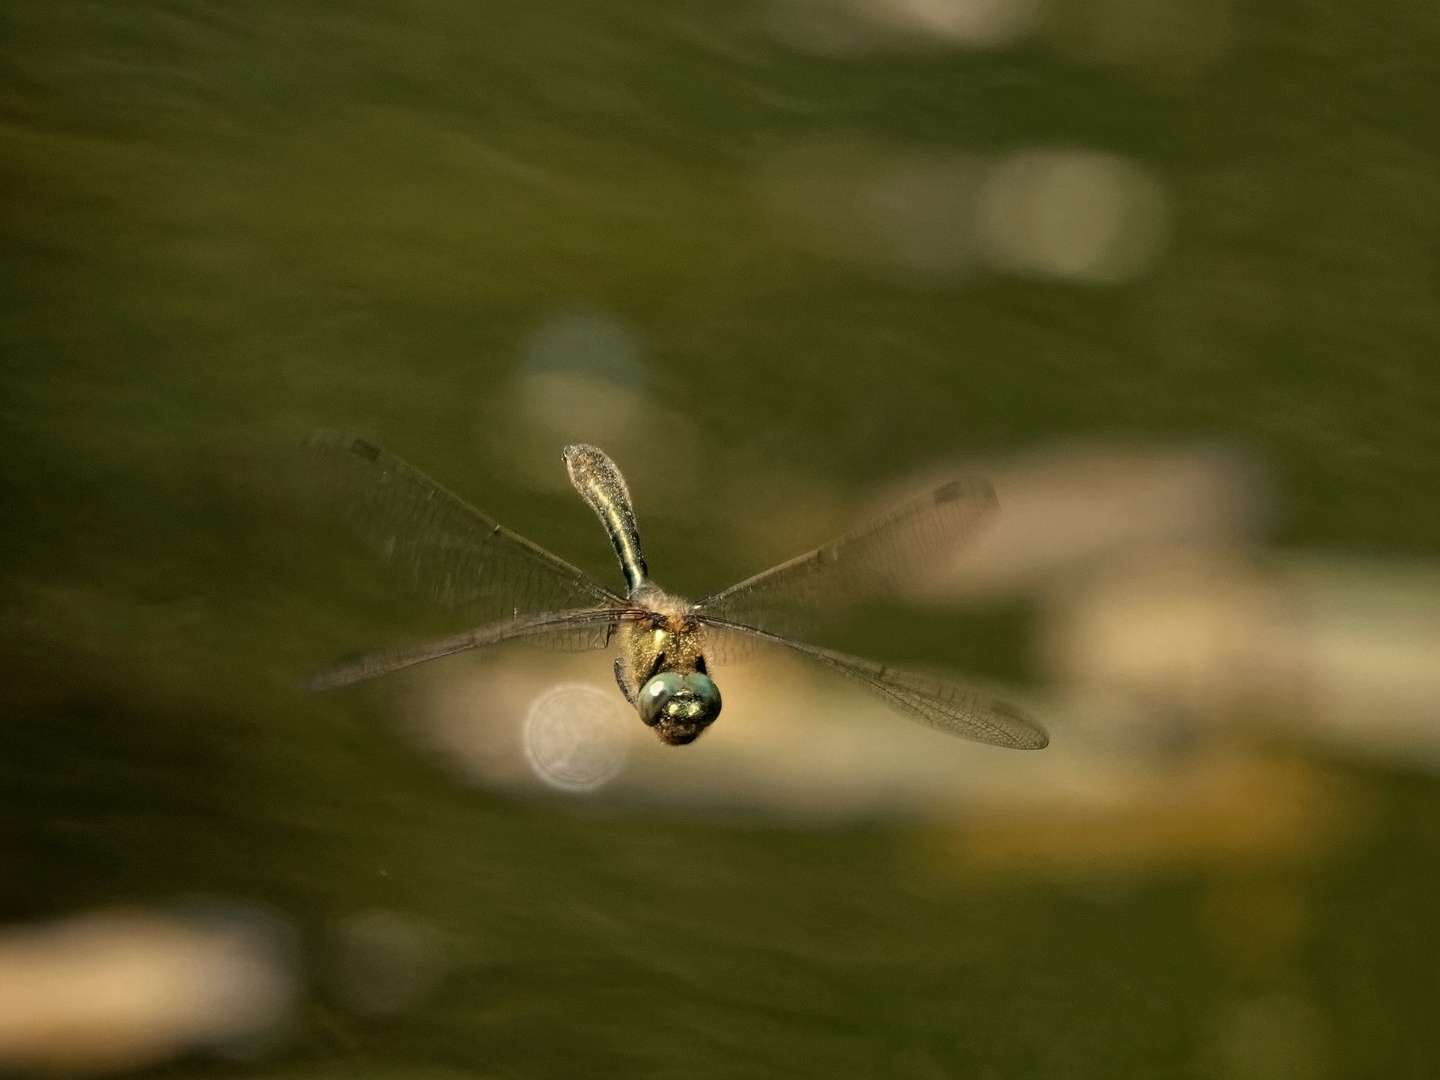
662, 669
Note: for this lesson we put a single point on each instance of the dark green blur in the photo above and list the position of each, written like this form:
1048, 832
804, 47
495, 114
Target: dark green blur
224, 225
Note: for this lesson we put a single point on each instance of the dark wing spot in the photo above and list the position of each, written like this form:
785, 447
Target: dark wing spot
948, 492
368, 450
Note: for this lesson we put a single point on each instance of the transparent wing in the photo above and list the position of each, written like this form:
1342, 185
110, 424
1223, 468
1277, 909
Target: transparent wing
447, 548
574, 630
880, 557
942, 704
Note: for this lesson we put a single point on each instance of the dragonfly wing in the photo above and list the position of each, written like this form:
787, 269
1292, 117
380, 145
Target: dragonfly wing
447, 548
942, 704
572, 630
880, 557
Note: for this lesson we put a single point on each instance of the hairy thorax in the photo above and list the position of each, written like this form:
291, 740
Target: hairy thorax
666, 638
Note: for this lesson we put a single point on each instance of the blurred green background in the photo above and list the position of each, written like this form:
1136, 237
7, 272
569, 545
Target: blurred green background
227, 224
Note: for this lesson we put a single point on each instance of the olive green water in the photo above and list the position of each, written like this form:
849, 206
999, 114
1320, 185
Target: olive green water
227, 224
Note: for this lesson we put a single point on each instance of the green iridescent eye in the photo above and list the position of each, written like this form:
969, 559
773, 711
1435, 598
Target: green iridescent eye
706, 697
692, 699
656, 694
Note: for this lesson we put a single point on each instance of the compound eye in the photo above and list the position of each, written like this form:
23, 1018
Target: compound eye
679, 703
705, 697
656, 694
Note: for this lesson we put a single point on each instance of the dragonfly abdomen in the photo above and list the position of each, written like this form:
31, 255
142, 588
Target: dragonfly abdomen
600, 484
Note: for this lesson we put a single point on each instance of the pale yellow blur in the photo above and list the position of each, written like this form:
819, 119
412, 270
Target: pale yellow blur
121, 989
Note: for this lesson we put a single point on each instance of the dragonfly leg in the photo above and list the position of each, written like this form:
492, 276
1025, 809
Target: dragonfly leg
620, 681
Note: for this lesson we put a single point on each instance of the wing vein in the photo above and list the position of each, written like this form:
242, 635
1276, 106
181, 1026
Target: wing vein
447, 548
938, 702
599, 622
881, 556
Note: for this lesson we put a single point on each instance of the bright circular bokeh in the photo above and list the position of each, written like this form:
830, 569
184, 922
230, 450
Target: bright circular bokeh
576, 737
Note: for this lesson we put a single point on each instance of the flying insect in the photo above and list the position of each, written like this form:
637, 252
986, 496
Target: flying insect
665, 644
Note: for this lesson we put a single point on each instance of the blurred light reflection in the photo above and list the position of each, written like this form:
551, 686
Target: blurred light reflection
585, 376
832, 27
1068, 509
1335, 650
1071, 215
384, 962
122, 989
576, 737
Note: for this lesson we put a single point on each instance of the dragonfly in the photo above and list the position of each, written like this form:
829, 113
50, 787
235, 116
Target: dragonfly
665, 644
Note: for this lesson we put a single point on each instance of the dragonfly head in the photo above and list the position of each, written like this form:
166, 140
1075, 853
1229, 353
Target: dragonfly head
679, 706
